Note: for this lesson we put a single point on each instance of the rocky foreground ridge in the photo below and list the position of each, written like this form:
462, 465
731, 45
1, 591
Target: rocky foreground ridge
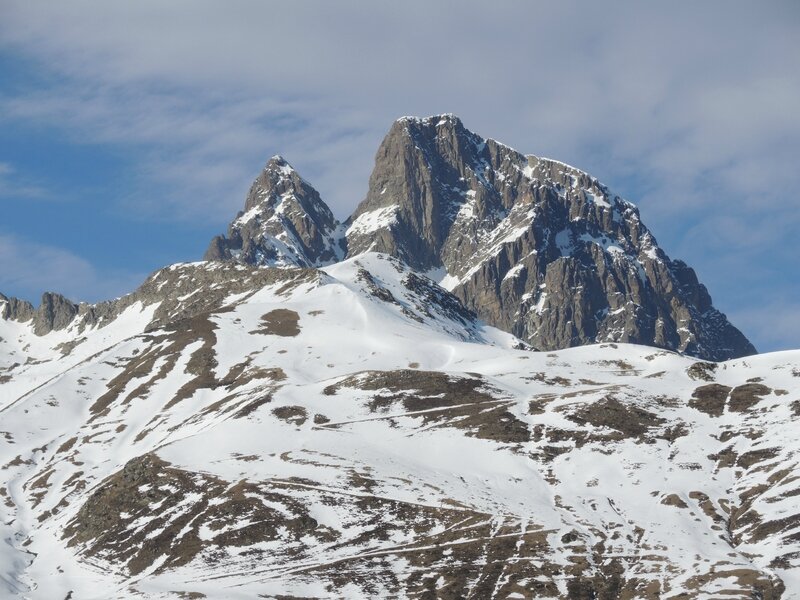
534, 246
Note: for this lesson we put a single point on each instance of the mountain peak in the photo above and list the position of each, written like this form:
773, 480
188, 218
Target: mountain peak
533, 245
442, 120
426, 128
284, 223
280, 164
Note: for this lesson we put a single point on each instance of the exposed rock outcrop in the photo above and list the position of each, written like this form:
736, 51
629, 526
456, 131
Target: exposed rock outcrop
14, 309
536, 247
284, 223
55, 312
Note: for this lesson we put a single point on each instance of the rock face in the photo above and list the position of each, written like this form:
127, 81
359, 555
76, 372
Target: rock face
534, 246
14, 309
55, 312
284, 223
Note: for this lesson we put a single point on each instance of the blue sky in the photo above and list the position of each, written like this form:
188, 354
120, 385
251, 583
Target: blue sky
130, 132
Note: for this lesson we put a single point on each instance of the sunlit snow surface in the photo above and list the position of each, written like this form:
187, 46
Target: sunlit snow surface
516, 489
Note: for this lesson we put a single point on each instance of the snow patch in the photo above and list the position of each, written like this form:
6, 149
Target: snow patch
374, 220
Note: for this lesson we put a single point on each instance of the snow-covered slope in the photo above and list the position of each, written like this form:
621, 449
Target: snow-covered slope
354, 432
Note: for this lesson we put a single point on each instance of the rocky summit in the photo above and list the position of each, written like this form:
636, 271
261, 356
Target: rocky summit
284, 224
357, 410
534, 246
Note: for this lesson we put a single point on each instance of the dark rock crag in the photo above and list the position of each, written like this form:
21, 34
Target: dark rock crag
54, 313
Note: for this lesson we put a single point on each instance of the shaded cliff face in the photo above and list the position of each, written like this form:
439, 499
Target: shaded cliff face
284, 224
534, 246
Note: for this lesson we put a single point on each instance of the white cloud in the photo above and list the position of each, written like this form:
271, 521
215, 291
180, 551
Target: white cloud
212, 90
12, 186
30, 268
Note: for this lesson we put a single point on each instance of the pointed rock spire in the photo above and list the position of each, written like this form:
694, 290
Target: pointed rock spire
284, 223
420, 178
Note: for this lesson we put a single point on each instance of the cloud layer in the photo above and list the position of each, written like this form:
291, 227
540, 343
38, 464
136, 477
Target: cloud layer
30, 268
688, 109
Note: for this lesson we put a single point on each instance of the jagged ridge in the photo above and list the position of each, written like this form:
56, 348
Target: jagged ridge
534, 246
